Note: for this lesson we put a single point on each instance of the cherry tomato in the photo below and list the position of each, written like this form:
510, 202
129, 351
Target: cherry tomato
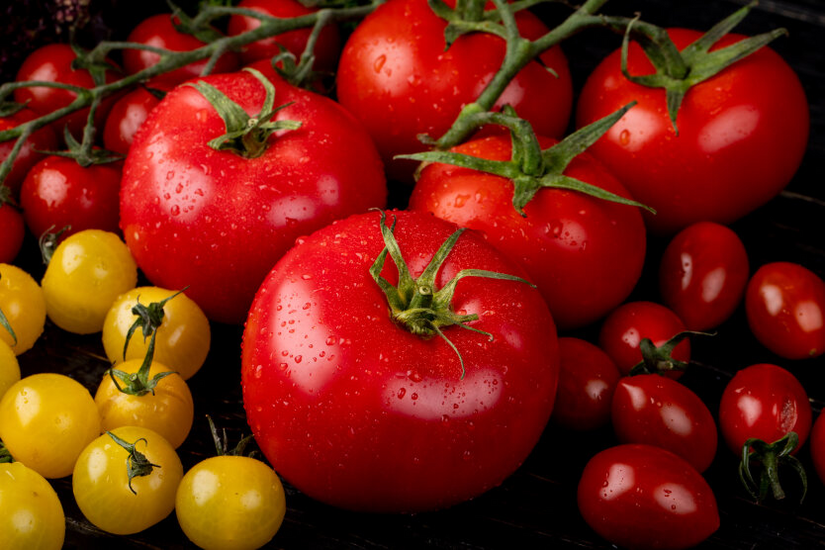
785, 306
12, 229
128, 114
9, 367
32, 514
42, 139
703, 273
754, 109
87, 272
46, 419
652, 409
106, 495
22, 302
818, 446
214, 505
640, 496
766, 402
587, 380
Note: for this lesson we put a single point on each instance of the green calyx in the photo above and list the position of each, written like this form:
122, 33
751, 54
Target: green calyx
416, 304
770, 456
48, 242
83, 155
245, 135
5, 455
222, 442
137, 465
659, 360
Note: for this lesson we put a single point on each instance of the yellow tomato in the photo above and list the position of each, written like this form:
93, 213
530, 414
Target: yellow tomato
9, 368
21, 300
32, 516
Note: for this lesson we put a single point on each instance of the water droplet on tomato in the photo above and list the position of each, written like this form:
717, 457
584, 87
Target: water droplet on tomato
378, 64
624, 137
298, 358
401, 393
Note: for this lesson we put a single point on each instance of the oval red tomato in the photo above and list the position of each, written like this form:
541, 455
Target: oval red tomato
818, 446
42, 139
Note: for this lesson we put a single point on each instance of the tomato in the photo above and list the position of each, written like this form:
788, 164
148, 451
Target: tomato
32, 514
356, 411
13, 230
22, 302
159, 31
644, 497
9, 367
766, 402
87, 272
565, 242
42, 139
215, 221
623, 330
785, 306
326, 49
653, 409
754, 109
587, 380
112, 501
818, 446
703, 273
396, 77
215, 505
182, 342
46, 419
58, 192
128, 114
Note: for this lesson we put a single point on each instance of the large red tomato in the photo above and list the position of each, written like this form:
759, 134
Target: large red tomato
754, 109
216, 221
396, 76
356, 411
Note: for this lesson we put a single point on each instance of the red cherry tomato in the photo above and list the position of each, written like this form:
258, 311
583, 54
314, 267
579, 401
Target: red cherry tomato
818, 446
12, 230
127, 115
703, 273
32, 150
644, 497
785, 306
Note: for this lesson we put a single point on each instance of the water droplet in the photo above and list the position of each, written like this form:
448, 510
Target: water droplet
624, 137
378, 64
298, 358
401, 393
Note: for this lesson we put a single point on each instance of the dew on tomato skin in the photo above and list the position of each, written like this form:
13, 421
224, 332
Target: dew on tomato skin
298, 359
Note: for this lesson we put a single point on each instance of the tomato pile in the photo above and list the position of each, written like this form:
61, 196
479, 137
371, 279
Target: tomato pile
428, 260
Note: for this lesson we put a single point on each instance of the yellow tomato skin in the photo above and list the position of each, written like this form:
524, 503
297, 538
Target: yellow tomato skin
32, 516
24, 306
230, 503
87, 272
100, 482
170, 411
9, 368
45, 422
182, 341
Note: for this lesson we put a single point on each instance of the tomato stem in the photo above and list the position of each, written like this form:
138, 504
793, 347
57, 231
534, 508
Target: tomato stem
770, 456
137, 465
659, 360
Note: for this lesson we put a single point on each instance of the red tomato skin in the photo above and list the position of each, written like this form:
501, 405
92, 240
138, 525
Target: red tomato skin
59, 193
587, 380
42, 139
655, 410
159, 31
755, 109
763, 401
785, 307
359, 413
644, 497
628, 324
12, 230
396, 77
217, 222
566, 242
703, 273
818, 447
126, 116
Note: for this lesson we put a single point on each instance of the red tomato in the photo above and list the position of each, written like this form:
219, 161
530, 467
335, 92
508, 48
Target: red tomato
643, 497
53, 63
659, 411
703, 273
159, 31
216, 221
754, 109
587, 380
626, 326
127, 115
326, 50
356, 411
396, 77
566, 242
58, 192
12, 230
818, 446
785, 306
40, 140
766, 402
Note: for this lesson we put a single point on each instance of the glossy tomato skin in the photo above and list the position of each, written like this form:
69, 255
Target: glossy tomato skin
755, 109
644, 497
42, 139
703, 273
396, 77
32, 514
9, 368
22, 301
785, 307
127, 115
217, 222
359, 413
567, 240
13, 229
763, 401
655, 410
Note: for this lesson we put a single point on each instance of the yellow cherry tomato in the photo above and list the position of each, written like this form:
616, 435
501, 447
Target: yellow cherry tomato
230, 502
106, 495
182, 341
9, 367
31, 516
87, 272
45, 422
22, 302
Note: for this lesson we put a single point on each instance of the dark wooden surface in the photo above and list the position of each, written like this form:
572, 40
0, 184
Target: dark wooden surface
535, 508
